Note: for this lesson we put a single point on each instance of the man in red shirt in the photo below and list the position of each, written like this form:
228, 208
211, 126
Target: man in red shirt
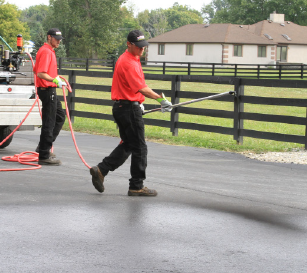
129, 91
46, 81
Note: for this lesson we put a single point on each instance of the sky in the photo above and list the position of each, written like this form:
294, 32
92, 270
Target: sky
139, 5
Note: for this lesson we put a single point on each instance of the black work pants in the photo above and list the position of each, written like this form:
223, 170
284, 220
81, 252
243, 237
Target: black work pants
53, 118
128, 117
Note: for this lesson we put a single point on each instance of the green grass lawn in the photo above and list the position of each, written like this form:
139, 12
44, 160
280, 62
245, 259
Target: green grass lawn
198, 138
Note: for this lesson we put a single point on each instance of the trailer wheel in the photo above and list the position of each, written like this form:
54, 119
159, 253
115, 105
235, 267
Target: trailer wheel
4, 132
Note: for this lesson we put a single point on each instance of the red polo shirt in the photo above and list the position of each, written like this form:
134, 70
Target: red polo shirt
45, 63
128, 79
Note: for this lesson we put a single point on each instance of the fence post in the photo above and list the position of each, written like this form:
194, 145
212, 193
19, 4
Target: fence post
86, 64
60, 63
238, 109
163, 68
113, 64
236, 66
176, 80
189, 69
213, 69
258, 72
302, 71
70, 102
280, 67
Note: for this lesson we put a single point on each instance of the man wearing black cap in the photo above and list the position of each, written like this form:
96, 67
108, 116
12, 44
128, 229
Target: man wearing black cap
46, 81
129, 91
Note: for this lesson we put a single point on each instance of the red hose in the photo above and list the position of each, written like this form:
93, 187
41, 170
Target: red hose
23, 159
69, 121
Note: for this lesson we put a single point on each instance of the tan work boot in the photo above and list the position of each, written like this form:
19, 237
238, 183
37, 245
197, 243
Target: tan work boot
97, 178
142, 192
50, 161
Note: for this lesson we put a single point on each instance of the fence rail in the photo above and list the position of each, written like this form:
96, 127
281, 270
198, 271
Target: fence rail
257, 71
86, 64
238, 115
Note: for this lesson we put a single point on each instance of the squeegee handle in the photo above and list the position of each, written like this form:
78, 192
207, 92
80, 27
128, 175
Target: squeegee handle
192, 101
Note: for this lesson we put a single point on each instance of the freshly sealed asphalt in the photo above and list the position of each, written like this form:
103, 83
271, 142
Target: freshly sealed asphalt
215, 212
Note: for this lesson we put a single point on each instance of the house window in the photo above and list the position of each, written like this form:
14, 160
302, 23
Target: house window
281, 53
237, 50
261, 51
189, 49
161, 49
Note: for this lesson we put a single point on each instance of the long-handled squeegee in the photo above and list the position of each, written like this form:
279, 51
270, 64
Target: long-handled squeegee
192, 101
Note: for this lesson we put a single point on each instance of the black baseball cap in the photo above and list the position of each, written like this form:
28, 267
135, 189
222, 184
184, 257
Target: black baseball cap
137, 37
56, 33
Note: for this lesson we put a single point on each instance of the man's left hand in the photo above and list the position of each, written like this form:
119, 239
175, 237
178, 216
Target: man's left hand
59, 82
166, 106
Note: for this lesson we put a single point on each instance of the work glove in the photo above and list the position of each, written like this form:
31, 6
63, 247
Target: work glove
142, 108
166, 106
59, 82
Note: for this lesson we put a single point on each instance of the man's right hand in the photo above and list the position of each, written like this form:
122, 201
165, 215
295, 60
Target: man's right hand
59, 82
166, 106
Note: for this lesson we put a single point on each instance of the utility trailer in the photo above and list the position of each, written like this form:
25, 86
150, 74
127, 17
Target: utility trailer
17, 95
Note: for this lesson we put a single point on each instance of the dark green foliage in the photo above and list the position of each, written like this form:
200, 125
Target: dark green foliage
10, 25
252, 11
90, 27
158, 21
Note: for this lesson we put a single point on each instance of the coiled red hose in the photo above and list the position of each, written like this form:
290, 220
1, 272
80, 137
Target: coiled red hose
23, 158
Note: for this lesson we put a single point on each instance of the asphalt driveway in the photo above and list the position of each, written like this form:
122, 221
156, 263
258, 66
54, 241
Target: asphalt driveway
215, 212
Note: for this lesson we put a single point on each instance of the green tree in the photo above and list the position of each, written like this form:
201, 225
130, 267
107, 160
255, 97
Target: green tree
178, 16
61, 51
128, 23
34, 16
153, 23
10, 26
238, 11
160, 21
39, 40
90, 27
209, 11
252, 11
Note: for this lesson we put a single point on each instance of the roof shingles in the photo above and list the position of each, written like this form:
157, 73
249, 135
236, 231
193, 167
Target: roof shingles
235, 34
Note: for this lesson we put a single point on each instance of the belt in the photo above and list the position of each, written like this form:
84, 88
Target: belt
45, 88
127, 102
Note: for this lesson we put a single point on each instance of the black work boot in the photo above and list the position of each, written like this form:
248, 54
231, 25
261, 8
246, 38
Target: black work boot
142, 192
50, 161
97, 178
50, 153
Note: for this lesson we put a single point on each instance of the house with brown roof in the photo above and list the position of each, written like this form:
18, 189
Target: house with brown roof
266, 42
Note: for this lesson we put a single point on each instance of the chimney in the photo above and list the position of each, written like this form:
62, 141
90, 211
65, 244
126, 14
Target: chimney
277, 18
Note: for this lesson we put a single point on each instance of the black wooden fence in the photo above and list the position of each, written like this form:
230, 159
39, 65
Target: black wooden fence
237, 115
257, 71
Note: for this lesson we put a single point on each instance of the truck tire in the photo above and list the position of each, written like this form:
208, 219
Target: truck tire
4, 132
